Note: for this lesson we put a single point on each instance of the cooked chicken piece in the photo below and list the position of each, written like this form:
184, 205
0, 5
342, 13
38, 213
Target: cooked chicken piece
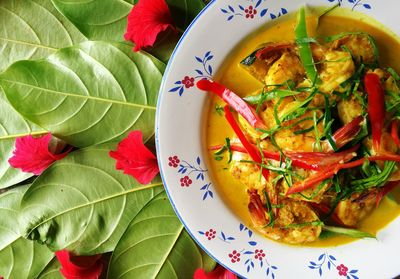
287, 67
338, 68
356, 208
349, 109
359, 45
291, 223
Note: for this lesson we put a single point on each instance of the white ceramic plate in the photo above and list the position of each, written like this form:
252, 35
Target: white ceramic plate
181, 154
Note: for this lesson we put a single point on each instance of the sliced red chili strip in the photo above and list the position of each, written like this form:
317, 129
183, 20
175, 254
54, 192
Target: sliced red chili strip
386, 190
237, 103
250, 148
376, 106
304, 160
395, 132
348, 132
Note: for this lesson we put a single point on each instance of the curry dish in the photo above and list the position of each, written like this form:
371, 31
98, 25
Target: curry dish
306, 144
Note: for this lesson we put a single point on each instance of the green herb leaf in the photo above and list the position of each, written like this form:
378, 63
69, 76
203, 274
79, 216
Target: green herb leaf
79, 92
86, 212
304, 47
156, 245
270, 95
394, 74
33, 29
348, 232
375, 180
19, 257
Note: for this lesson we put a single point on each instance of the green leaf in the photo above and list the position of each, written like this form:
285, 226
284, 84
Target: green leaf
82, 203
12, 125
98, 19
88, 94
19, 258
33, 30
156, 245
52, 271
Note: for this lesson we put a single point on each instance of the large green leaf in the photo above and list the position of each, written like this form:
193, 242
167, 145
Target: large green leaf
82, 203
97, 19
33, 29
155, 245
19, 258
12, 125
107, 19
52, 271
88, 94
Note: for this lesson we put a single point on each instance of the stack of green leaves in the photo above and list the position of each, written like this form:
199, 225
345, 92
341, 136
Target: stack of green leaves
66, 69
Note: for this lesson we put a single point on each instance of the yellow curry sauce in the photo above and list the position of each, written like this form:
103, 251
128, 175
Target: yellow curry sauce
242, 83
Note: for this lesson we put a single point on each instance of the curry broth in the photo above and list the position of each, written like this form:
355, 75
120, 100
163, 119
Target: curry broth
235, 78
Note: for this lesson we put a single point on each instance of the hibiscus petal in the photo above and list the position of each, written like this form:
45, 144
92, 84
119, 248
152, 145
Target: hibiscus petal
135, 159
218, 273
33, 155
79, 267
147, 19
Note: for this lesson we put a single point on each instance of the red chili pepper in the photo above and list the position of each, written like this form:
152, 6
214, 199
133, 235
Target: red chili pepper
394, 132
237, 103
348, 132
304, 160
386, 190
376, 106
251, 149
272, 50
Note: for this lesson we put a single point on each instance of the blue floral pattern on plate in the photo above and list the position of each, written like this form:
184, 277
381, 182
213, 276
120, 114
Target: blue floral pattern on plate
252, 256
205, 72
254, 9
190, 172
331, 262
353, 3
